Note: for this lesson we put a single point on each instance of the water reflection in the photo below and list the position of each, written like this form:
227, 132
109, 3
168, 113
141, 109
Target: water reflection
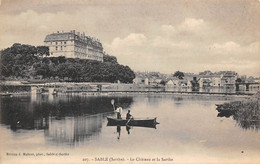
142, 125
118, 130
73, 130
23, 113
77, 125
127, 128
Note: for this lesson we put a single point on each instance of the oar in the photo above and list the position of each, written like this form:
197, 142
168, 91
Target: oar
129, 120
113, 103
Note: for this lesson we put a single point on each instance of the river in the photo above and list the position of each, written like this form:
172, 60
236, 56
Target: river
73, 129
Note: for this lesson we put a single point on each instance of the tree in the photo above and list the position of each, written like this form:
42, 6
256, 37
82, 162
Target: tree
239, 80
7, 62
110, 59
178, 74
163, 82
44, 69
206, 73
62, 70
42, 50
73, 71
17, 59
24, 60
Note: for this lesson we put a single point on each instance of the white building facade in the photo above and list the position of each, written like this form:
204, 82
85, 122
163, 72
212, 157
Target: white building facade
74, 45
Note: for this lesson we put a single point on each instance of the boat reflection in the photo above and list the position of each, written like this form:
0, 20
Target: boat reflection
144, 125
118, 130
128, 128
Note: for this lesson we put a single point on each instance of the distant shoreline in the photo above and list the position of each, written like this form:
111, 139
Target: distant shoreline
95, 88
132, 93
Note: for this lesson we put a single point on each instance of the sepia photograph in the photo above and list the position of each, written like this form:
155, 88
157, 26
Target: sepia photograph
132, 81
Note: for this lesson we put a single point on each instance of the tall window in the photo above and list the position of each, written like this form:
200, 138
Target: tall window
56, 47
61, 48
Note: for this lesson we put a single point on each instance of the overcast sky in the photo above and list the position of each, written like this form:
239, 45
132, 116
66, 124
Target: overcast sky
148, 35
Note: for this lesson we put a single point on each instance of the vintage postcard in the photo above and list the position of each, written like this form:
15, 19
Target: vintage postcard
133, 81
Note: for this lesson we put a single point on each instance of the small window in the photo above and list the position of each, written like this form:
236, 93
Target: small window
64, 42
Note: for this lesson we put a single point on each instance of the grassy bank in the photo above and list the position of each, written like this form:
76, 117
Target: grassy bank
246, 113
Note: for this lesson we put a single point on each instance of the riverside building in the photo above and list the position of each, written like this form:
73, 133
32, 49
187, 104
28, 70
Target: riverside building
74, 45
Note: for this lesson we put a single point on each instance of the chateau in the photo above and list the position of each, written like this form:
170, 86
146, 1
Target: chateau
74, 45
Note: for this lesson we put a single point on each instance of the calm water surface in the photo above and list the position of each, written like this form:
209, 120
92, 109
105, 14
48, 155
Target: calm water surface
189, 129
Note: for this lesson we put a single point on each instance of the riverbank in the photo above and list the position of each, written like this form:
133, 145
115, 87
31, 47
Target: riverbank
179, 93
246, 112
113, 88
136, 93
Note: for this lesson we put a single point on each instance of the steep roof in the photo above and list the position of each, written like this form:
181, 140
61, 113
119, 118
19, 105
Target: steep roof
229, 74
65, 36
59, 37
209, 76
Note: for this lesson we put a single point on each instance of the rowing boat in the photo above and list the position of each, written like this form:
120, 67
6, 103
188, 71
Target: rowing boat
133, 122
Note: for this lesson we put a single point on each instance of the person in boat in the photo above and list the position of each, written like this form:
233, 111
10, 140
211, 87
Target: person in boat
119, 111
128, 115
119, 115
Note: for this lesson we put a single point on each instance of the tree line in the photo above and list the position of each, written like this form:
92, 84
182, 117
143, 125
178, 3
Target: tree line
26, 61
